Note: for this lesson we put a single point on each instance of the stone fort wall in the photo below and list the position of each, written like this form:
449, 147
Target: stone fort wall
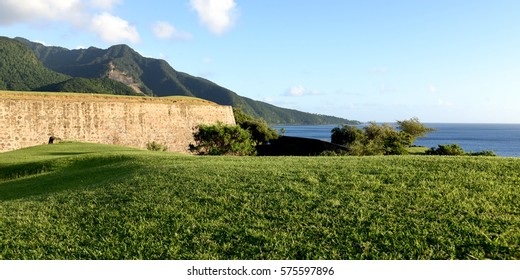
29, 119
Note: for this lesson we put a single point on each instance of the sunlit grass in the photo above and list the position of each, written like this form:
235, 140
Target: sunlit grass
85, 96
86, 201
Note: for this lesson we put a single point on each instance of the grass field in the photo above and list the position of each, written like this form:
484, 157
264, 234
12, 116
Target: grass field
89, 201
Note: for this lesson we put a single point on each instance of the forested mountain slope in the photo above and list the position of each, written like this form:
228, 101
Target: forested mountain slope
155, 77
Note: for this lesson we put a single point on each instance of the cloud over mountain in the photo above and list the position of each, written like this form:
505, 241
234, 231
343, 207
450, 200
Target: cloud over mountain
15, 11
299, 90
217, 15
99, 17
113, 29
92, 15
105, 4
164, 30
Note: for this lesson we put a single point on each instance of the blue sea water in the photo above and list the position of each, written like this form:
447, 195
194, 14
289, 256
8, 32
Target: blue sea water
503, 139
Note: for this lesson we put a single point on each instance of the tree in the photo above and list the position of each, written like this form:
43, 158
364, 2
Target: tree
395, 143
384, 140
376, 139
241, 139
414, 128
222, 139
350, 136
346, 135
260, 131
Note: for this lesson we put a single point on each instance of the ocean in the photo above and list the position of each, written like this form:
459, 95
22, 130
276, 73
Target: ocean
503, 139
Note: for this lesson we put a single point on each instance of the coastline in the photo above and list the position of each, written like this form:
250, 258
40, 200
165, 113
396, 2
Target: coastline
503, 139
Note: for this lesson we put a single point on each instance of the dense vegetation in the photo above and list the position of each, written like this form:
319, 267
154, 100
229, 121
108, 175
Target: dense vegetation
260, 131
222, 139
376, 139
240, 139
21, 70
157, 78
95, 85
86, 201
456, 150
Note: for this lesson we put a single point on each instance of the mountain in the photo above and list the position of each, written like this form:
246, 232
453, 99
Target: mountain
21, 70
94, 85
155, 77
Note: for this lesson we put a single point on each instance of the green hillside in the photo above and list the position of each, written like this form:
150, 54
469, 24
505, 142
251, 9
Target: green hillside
94, 85
156, 77
90, 201
20, 69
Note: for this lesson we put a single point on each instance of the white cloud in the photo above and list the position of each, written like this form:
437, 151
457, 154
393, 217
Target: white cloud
296, 91
15, 11
217, 15
164, 30
41, 42
86, 15
432, 89
300, 90
113, 29
105, 5
444, 103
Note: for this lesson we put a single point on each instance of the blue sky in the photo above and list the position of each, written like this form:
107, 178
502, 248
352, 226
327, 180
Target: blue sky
442, 61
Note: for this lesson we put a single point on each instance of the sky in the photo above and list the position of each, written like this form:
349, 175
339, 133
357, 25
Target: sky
368, 60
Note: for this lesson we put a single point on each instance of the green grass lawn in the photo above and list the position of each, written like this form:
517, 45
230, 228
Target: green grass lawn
89, 201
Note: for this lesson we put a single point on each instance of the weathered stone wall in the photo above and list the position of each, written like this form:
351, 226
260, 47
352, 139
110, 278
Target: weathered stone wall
28, 119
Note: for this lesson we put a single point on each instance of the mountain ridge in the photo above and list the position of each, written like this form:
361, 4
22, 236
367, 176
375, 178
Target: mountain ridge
21, 70
156, 77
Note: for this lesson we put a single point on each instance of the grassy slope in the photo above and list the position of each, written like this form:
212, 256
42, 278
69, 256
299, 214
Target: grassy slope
86, 201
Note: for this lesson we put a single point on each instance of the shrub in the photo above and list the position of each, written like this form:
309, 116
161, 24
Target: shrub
395, 143
330, 153
414, 128
346, 135
260, 131
221, 139
154, 146
374, 139
456, 150
483, 153
446, 150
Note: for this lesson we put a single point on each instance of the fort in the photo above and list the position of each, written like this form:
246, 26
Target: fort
29, 119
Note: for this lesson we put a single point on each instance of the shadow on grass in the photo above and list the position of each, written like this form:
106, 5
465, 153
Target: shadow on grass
62, 175
15, 171
68, 153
